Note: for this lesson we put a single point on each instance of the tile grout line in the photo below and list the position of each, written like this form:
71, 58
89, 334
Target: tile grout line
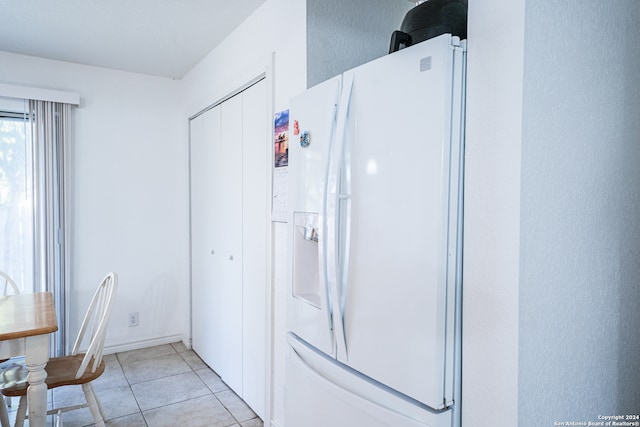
195, 365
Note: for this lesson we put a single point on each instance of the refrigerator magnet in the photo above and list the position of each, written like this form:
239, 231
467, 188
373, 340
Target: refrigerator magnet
305, 139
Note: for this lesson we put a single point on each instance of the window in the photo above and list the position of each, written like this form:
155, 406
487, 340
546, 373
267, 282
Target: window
16, 198
34, 198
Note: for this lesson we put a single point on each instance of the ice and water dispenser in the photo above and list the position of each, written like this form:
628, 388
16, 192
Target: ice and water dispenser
306, 279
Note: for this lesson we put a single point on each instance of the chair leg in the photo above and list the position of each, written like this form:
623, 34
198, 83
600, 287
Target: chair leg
22, 411
4, 416
58, 418
94, 404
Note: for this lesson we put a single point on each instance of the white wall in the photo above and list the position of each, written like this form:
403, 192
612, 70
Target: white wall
128, 182
492, 213
580, 237
276, 27
552, 195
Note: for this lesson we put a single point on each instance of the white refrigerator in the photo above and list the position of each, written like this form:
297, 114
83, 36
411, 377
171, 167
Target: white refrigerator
375, 232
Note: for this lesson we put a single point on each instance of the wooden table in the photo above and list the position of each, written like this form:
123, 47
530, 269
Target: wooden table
26, 320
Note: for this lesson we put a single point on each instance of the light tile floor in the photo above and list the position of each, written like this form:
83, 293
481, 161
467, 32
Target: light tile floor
163, 386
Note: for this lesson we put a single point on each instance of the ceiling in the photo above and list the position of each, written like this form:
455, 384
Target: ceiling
158, 37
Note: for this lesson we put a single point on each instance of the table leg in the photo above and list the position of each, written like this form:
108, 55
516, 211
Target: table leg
37, 355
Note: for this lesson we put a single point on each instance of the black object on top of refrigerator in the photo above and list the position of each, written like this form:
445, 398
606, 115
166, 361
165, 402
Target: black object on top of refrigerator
430, 19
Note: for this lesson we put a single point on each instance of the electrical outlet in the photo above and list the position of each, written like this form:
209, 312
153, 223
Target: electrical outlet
133, 319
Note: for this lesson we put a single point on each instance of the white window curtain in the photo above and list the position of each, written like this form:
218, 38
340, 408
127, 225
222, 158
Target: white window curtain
50, 124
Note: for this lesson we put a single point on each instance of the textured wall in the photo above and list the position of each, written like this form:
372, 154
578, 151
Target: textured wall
552, 196
344, 34
580, 236
492, 213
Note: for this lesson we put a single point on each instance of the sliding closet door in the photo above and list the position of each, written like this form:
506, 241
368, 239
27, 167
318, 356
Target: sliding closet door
254, 246
216, 239
230, 149
202, 210
227, 193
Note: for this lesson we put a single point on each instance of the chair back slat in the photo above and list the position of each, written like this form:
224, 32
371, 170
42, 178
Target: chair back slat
7, 284
95, 323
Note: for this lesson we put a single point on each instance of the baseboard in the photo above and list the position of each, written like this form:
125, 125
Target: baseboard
137, 345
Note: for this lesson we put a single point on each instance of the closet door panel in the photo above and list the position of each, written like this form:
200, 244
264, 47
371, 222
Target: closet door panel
202, 209
227, 195
254, 243
215, 325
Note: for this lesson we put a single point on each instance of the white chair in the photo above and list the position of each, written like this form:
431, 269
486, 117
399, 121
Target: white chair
7, 287
77, 368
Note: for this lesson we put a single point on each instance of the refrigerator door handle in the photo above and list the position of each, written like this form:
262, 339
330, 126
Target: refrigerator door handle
384, 403
333, 197
324, 239
328, 229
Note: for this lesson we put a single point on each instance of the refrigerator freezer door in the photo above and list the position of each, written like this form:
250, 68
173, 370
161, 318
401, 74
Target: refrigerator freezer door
322, 393
309, 304
396, 189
